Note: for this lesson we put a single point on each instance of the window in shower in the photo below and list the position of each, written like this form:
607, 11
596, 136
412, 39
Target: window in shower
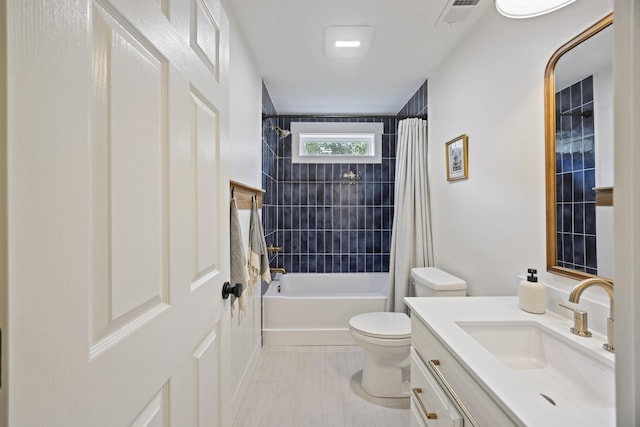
338, 142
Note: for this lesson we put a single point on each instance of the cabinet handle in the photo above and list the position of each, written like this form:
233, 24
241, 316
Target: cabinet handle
433, 367
429, 415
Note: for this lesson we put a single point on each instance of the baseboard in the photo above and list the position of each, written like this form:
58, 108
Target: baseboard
307, 337
242, 387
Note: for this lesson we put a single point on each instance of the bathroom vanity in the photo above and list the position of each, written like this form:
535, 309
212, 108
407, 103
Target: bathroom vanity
481, 361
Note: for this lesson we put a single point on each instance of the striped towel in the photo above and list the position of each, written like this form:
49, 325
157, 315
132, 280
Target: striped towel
239, 272
258, 257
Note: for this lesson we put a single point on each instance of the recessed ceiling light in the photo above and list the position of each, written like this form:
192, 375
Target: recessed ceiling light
529, 8
348, 42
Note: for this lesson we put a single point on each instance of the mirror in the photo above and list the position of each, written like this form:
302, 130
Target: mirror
579, 155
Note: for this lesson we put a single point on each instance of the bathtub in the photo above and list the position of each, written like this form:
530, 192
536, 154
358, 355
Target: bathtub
314, 309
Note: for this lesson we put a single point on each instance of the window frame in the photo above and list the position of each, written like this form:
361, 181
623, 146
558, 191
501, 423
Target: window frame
332, 130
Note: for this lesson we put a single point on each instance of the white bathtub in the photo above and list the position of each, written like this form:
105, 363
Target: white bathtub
314, 309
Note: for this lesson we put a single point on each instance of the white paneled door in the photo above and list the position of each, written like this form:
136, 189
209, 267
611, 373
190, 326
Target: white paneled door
117, 212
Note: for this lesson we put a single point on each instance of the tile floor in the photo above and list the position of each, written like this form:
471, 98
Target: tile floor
305, 386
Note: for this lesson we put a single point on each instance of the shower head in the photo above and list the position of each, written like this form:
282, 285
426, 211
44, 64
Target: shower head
282, 133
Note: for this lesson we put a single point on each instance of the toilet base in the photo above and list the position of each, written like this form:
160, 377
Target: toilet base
379, 379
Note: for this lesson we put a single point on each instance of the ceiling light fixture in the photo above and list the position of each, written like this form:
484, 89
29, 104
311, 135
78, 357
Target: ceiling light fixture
347, 42
529, 8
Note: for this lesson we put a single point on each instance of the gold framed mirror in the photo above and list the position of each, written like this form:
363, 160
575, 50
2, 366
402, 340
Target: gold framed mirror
579, 155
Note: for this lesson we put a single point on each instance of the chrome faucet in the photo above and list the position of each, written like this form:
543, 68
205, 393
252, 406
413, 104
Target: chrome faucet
278, 270
577, 291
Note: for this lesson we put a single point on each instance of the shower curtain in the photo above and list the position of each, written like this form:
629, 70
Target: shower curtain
411, 241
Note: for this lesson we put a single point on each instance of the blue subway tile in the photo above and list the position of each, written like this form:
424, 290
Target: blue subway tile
587, 90
320, 242
312, 218
590, 252
328, 194
578, 218
576, 95
353, 242
336, 246
567, 247
567, 215
336, 264
304, 171
370, 263
578, 249
589, 184
328, 172
590, 218
328, 218
304, 218
312, 242
588, 148
295, 242
385, 263
362, 242
312, 194
344, 242
353, 263
588, 122
370, 242
578, 186
312, 267
304, 264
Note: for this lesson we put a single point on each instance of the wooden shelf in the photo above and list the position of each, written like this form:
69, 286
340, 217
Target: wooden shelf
244, 194
604, 196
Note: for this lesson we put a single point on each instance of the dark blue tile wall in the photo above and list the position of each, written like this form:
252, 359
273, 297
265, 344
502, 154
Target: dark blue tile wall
417, 105
575, 178
269, 173
327, 224
323, 223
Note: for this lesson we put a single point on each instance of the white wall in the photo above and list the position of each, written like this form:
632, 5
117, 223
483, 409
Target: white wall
243, 160
603, 103
627, 210
491, 227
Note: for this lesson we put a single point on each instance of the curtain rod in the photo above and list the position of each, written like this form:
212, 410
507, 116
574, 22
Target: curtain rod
341, 116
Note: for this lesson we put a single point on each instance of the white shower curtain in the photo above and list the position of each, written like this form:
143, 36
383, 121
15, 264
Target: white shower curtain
411, 244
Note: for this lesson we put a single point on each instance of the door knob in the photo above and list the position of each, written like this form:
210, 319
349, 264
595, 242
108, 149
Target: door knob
227, 290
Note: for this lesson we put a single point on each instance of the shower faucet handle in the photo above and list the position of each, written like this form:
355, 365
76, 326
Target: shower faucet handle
273, 249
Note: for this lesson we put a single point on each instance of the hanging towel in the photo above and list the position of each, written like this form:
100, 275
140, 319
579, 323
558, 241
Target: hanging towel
258, 257
239, 272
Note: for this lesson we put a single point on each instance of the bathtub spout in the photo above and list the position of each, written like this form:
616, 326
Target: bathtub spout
278, 270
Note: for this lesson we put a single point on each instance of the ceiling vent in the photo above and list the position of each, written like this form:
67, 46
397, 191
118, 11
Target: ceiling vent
456, 11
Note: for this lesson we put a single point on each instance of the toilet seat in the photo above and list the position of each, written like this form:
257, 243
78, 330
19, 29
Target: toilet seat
382, 325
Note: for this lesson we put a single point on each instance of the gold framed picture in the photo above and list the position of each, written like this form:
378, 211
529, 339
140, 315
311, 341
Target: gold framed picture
457, 162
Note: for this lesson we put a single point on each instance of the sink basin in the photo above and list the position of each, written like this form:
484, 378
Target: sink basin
563, 372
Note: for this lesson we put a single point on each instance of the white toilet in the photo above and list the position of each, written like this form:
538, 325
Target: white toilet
386, 337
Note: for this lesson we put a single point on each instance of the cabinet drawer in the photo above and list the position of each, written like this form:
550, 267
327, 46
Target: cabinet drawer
415, 419
477, 401
428, 399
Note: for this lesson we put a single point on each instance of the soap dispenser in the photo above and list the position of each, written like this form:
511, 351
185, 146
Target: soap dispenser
533, 295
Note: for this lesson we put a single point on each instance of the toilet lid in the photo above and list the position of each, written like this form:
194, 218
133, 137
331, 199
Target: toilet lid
382, 325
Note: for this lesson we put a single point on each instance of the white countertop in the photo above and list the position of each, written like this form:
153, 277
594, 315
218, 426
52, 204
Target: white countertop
518, 398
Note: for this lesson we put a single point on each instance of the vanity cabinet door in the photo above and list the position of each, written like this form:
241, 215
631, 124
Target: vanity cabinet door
428, 400
476, 400
415, 417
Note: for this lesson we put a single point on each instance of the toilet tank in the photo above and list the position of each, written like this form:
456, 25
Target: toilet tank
433, 282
